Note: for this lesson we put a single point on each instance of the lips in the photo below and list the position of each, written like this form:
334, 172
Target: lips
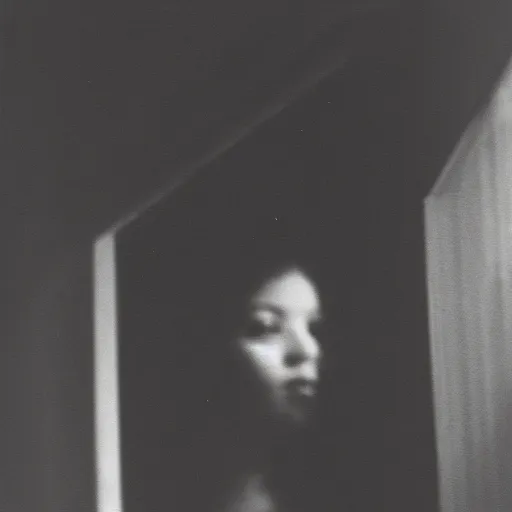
301, 388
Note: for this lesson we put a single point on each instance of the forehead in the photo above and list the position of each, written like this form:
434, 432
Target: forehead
291, 290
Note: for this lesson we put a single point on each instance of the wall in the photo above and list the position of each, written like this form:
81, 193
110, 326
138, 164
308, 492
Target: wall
465, 48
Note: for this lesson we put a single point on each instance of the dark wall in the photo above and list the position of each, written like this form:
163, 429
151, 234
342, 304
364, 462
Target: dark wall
104, 103
465, 47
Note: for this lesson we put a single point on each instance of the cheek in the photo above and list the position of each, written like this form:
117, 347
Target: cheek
265, 360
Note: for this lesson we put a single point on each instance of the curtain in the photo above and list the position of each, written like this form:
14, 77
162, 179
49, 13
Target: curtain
469, 266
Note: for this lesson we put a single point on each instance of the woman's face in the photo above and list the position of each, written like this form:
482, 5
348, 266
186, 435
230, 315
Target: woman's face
278, 343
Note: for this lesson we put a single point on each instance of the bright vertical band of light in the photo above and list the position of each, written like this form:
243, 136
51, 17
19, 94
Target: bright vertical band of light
108, 454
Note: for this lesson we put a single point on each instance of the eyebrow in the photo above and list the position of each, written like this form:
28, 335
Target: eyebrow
268, 306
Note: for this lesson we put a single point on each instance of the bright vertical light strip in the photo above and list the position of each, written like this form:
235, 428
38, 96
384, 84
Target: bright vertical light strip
108, 454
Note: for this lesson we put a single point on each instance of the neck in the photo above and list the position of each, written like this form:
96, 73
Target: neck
252, 451
250, 493
250, 458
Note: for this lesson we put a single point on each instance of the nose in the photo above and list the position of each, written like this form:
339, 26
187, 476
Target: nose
302, 347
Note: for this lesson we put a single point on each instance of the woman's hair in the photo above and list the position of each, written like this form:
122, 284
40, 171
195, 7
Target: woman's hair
194, 284
210, 273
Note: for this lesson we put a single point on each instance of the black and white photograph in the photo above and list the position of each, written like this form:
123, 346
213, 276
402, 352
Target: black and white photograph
258, 256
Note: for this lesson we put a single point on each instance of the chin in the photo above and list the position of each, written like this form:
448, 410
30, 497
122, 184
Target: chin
296, 418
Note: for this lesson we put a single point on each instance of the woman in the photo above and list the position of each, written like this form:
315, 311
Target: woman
279, 352
240, 313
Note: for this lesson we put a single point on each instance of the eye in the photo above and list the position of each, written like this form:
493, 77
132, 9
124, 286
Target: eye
261, 324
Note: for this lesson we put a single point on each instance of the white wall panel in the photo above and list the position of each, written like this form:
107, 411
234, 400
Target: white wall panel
469, 245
